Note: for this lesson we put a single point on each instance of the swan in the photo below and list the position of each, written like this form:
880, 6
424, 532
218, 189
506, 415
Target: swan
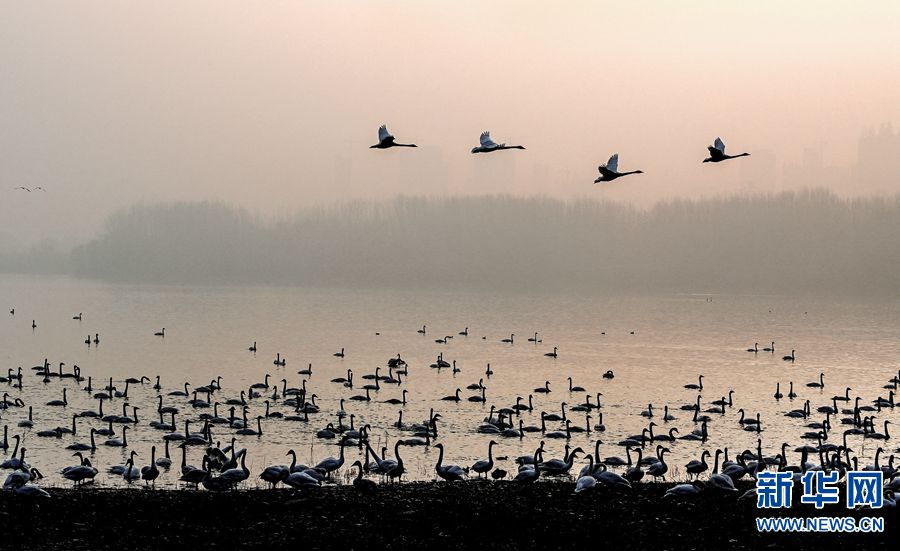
545, 389
488, 145
789, 358
770, 348
698, 386
721, 481
660, 468
397, 401
395, 470
819, 384
131, 473
16, 463
180, 392
160, 333
79, 473
447, 472
574, 388
118, 442
717, 153
877, 435
78, 446
363, 484
552, 354
585, 483
59, 403
275, 474
483, 466
27, 423
609, 374
845, 397
755, 348
264, 384
339, 354
330, 464
510, 340
559, 466
386, 140
635, 473
611, 479
534, 339
610, 170
695, 467
149, 473
791, 393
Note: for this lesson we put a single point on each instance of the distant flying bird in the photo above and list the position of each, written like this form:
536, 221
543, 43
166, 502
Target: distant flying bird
488, 145
610, 171
386, 140
22, 187
39, 188
717, 153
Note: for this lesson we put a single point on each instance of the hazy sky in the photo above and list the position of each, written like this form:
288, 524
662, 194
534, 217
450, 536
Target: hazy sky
272, 105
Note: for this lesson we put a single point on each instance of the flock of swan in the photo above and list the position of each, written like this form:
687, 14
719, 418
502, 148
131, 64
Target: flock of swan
185, 418
609, 171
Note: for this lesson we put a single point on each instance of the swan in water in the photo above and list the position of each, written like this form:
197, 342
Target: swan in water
819, 384
552, 354
573, 388
386, 140
160, 333
610, 170
755, 348
698, 386
660, 468
488, 145
717, 153
789, 358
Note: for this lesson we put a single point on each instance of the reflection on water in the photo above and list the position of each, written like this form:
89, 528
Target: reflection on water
653, 344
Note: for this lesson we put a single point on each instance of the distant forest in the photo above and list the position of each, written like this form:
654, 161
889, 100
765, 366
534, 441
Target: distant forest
806, 242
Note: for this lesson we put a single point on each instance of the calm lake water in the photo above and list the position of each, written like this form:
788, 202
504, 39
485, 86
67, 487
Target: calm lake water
208, 331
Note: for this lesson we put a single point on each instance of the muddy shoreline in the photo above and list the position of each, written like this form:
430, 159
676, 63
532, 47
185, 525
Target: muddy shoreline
471, 515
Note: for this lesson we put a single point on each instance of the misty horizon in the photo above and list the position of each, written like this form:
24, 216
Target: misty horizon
808, 242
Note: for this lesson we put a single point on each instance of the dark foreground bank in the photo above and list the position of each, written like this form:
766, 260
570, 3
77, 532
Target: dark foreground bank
472, 515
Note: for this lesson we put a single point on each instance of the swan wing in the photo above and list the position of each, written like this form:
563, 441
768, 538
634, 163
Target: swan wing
486, 140
719, 144
613, 163
383, 133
